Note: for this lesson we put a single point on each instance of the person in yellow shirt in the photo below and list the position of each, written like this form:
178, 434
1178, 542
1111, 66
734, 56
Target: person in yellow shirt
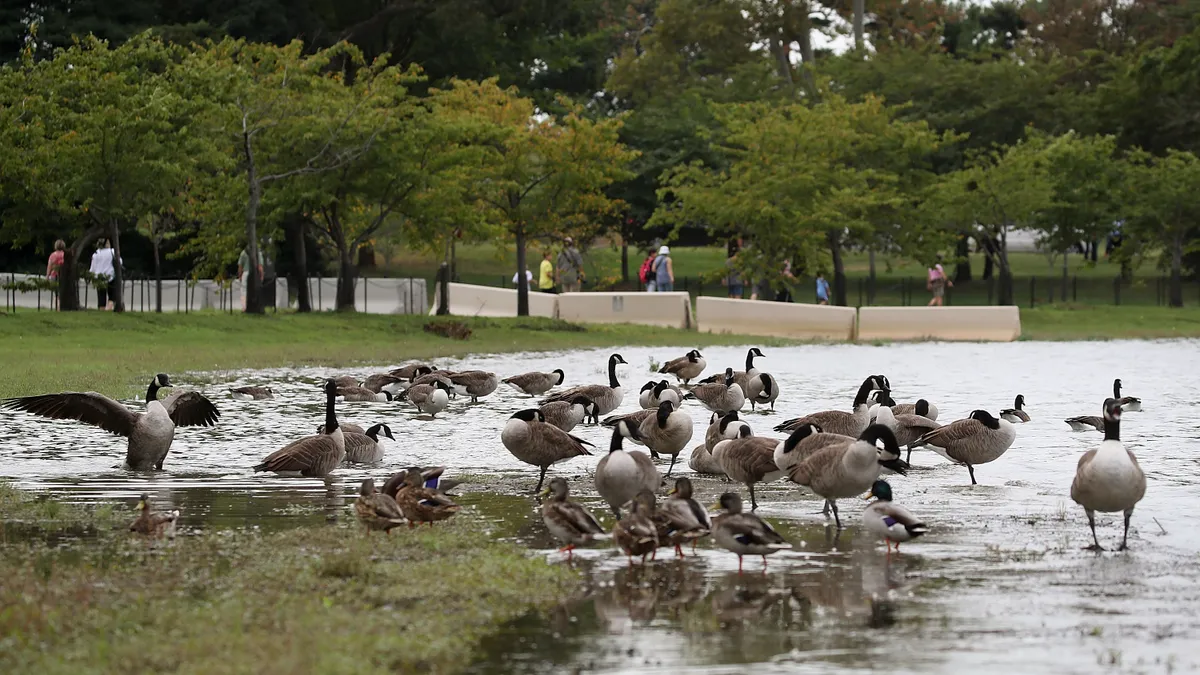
546, 274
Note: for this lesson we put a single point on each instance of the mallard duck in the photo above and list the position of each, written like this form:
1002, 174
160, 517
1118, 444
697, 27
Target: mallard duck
888, 520
1109, 479
377, 511
744, 533
421, 504
569, 522
431, 477
979, 439
636, 533
154, 523
1015, 414
536, 384
687, 367
686, 518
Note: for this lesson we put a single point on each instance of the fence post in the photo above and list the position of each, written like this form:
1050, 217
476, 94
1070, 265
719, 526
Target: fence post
860, 291
1075, 288
1032, 292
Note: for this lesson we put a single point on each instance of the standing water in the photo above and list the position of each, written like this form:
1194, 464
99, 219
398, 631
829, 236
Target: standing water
999, 581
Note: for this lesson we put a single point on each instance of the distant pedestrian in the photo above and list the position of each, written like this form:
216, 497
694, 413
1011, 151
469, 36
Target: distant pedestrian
822, 289
244, 272
54, 264
784, 294
937, 284
546, 274
664, 272
570, 267
528, 279
646, 272
733, 279
103, 270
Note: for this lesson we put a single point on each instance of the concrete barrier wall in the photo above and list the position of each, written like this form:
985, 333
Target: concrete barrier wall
1001, 324
775, 319
469, 300
672, 310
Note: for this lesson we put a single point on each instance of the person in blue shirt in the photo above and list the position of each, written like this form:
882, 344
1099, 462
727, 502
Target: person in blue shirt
822, 289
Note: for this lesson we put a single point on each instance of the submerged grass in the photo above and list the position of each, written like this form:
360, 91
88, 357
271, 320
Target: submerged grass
314, 599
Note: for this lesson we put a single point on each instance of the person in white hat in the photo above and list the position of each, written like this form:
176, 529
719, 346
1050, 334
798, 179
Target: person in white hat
664, 273
570, 267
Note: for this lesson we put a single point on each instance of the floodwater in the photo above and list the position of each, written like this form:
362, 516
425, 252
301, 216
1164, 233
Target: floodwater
1000, 584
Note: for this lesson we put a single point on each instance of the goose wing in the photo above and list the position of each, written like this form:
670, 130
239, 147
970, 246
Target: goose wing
674, 365
803, 472
589, 391
633, 418
957, 430
378, 381
525, 380
95, 409
191, 409
1087, 420
557, 438
299, 455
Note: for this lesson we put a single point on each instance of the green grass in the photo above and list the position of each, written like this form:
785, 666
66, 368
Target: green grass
116, 354
1076, 322
320, 599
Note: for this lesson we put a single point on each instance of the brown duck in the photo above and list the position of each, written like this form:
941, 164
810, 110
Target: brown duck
420, 504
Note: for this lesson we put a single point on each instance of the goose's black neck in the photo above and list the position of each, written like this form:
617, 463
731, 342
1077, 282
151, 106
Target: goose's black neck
331, 423
766, 382
373, 432
1112, 430
1116, 389
664, 412
750, 360
863, 392
612, 373
152, 391
616, 440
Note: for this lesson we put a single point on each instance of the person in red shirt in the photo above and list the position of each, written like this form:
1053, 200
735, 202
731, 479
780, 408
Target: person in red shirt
55, 263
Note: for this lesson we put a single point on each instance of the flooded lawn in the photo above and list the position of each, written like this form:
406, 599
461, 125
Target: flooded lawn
998, 585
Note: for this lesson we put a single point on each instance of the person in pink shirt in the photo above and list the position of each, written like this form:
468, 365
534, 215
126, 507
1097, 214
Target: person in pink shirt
937, 284
55, 263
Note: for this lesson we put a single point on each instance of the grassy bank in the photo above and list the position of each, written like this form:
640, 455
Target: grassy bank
115, 354
322, 599
1075, 322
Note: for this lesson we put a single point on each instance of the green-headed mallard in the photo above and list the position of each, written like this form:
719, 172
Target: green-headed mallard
744, 533
377, 511
154, 523
888, 520
421, 504
637, 533
1109, 479
569, 522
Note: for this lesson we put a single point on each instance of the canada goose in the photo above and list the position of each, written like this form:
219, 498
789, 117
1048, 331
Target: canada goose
652, 393
430, 475
566, 415
1016, 414
154, 523
362, 394
376, 511
687, 367
252, 393
428, 398
724, 427
744, 533
841, 471
569, 522
474, 383
921, 407
381, 382
412, 371
431, 377
1086, 423
1109, 479
907, 428
748, 460
312, 455
888, 520
149, 433
978, 439
1128, 403
620, 475
763, 389
633, 419
346, 428
421, 504
837, 421
531, 440
686, 517
667, 432
721, 398
636, 533
741, 377
536, 384
803, 442
345, 382
365, 448
607, 398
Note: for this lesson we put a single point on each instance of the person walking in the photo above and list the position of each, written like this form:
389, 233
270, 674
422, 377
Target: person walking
646, 272
528, 278
103, 270
570, 267
546, 274
664, 272
822, 289
784, 294
733, 279
937, 284
53, 265
244, 272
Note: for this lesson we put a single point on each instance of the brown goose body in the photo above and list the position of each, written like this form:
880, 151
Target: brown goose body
687, 367
312, 455
536, 384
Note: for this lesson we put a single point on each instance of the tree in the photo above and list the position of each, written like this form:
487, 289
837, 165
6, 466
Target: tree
546, 176
1164, 208
280, 114
97, 137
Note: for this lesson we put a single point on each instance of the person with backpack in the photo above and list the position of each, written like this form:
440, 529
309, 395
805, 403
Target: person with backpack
646, 273
664, 274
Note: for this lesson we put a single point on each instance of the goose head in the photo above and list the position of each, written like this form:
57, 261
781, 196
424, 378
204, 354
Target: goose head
441, 384
162, 380
664, 412
1019, 402
802, 432
529, 415
922, 407
1112, 409
877, 433
616, 358
649, 386
882, 397
880, 382
562, 377
373, 432
729, 377
694, 355
726, 420
331, 388
659, 388
986, 418
624, 429
1116, 388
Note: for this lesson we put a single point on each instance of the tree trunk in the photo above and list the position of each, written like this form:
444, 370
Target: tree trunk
1064, 277
116, 288
989, 262
624, 261
346, 278
871, 276
1006, 280
296, 230
68, 274
522, 282
253, 284
962, 268
860, 11
1175, 291
839, 268
154, 244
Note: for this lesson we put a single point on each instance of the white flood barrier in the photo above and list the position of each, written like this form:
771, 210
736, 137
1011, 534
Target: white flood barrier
775, 319
470, 300
671, 310
997, 324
